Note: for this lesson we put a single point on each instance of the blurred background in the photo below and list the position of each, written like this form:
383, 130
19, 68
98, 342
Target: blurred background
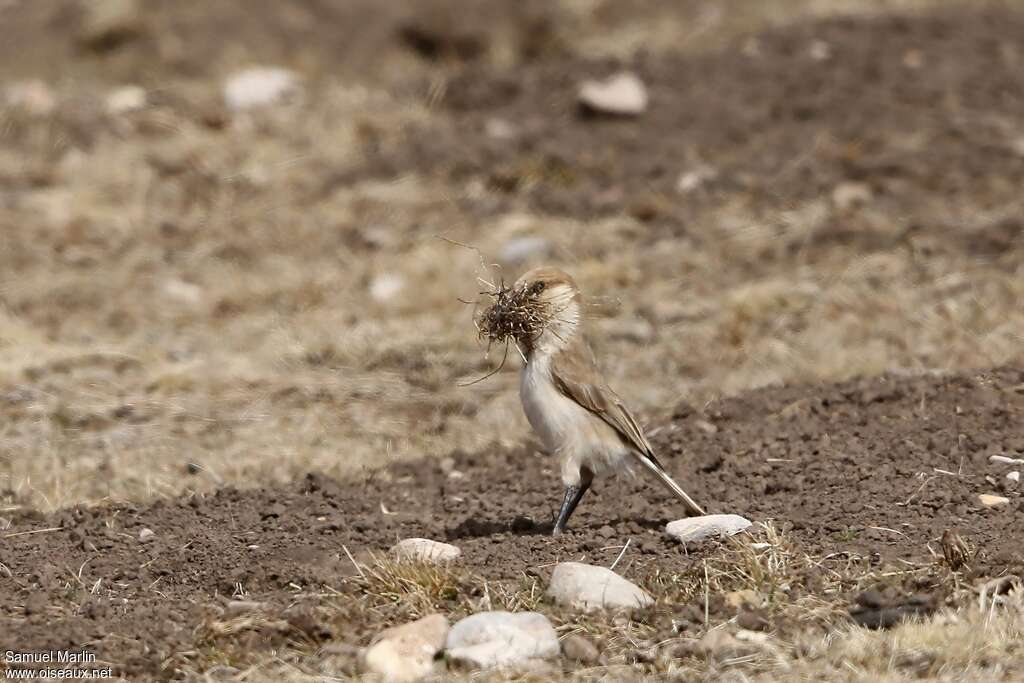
234, 235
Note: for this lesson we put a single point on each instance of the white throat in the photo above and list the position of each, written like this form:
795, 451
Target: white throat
560, 331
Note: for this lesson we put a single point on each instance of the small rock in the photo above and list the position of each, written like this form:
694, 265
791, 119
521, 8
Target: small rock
721, 645
185, 292
1003, 460
385, 287
621, 95
693, 529
577, 648
425, 550
820, 51
913, 59
691, 181
146, 535
1014, 476
33, 97
493, 639
850, 194
591, 587
406, 653
109, 22
705, 426
991, 500
126, 99
500, 129
260, 87
523, 249
753, 620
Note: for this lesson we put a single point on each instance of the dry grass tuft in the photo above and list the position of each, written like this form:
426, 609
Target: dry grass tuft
513, 316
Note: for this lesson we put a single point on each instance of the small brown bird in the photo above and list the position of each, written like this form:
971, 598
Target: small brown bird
567, 401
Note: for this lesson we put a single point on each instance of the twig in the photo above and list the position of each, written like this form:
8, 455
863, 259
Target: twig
354, 563
707, 596
33, 531
623, 552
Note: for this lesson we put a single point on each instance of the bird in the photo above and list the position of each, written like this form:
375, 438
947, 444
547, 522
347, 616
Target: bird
576, 415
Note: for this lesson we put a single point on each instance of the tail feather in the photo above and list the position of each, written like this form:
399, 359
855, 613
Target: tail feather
692, 508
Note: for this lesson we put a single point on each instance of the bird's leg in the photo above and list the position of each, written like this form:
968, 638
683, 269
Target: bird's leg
573, 495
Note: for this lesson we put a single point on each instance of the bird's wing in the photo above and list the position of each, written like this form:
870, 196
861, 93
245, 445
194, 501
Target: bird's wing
577, 377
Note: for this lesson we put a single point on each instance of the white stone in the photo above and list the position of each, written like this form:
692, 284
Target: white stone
500, 129
425, 550
185, 292
260, 87
126, 99
146, 535
698, 528
502, 639
523, 249
851, 194
385, 287
33, 96
690, 181
623, 95
820, 50
991, 500
1014, 476
406, 653
1003, 460
591, 587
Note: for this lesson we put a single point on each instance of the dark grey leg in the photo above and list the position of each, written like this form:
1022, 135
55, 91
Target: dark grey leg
573, 496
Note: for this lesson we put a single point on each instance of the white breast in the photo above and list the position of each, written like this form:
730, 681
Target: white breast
556, 418
572, 433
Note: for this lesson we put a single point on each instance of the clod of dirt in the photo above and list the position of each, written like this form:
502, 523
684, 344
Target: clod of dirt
580, 649
876, 610
109, 23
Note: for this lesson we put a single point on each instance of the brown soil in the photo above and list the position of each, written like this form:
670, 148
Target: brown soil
851, 472
252, 245
919, 109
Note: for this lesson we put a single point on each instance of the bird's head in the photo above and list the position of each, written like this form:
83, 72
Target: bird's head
539, 312
553, 294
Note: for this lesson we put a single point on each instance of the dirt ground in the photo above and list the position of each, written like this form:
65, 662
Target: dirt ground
892, 463
241, 330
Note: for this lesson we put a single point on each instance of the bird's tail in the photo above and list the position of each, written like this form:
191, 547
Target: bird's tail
692, 508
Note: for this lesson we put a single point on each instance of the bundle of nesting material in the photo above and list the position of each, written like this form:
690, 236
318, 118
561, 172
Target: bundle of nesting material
513, 315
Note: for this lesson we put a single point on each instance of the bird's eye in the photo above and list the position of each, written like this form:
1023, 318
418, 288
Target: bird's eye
537, 288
